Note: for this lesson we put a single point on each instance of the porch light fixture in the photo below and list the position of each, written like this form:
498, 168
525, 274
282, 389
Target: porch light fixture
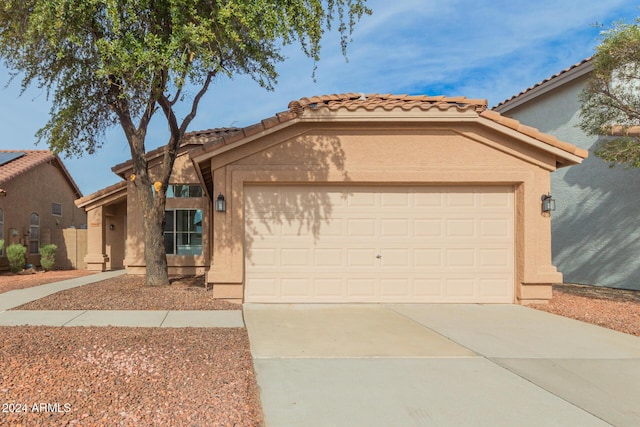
221, 204
548, 203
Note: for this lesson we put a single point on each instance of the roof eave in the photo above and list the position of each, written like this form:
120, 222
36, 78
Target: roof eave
106, 195
573, 73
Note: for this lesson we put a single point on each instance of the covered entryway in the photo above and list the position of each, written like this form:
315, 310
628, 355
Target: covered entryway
335, 243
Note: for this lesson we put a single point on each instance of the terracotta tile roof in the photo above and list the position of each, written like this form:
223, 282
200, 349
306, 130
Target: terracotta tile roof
30, 160
388, 102
20, 165
545, 81
216, 138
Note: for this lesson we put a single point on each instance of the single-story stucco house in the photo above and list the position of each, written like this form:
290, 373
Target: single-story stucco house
37, 196
596, 226
354, 198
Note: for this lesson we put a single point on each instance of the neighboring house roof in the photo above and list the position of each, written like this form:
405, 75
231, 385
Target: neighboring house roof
18, 162
115, 192
565, 76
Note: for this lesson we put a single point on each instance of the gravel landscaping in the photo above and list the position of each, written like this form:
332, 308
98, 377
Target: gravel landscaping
173, 377
10, 282
615, 309
127, 292
127, 377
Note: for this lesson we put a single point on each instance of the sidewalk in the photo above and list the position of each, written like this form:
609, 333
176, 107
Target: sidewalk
130, 318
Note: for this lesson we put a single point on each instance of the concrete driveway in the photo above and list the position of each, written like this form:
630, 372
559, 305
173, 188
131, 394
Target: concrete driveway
440, 365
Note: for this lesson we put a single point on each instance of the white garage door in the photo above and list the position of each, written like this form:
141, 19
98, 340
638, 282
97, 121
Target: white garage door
379, 244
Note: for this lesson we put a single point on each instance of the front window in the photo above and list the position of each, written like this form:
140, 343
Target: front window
56, 209
183, 232
34, 233
183, 191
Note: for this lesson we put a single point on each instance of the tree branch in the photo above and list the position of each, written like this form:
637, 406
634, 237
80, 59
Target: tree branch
196, 101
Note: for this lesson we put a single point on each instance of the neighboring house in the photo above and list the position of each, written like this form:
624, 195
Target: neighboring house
38, 205
596, 225
353, 198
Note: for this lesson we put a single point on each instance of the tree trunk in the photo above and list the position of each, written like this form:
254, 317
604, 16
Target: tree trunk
153, 206
154, 252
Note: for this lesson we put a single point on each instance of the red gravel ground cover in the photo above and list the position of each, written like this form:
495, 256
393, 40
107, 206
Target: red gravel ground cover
615, 309
128, 292
110, 376
9, 281
175, 377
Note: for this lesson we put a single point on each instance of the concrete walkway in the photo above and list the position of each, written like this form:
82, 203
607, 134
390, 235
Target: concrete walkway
132, 318
440, 365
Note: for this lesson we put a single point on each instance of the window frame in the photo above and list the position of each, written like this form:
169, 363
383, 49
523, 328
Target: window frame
193, 191
52, 210
34, 229
171, 232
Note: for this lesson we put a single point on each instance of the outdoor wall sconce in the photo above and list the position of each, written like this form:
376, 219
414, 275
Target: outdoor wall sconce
548, 203
112, 227
221, 204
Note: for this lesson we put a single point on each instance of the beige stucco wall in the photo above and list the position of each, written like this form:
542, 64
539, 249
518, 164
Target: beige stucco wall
386, 153
183, 173
35, 191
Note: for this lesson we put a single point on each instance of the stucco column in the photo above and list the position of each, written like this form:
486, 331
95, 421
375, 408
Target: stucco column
96, 257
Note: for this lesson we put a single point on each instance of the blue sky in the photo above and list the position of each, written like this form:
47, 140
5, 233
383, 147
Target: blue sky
479, 49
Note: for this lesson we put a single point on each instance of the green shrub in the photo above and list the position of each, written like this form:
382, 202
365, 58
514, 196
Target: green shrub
16, 254
48, 256
1, 244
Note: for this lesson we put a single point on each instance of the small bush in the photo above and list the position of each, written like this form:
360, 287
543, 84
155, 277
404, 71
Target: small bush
16, 254
48, 256
1, 244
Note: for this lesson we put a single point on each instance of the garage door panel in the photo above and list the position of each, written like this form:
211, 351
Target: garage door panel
329, 289
460, 228
394, 258
428, 258
495, 258
428, 228
358, 257
456, 198
435, 244
361, 289
396, 288
460, 288
329, 258
295, 287
492, 286
498, 198
495, 228
295, 257
395, 200
460, 259
395, 227
264, 257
